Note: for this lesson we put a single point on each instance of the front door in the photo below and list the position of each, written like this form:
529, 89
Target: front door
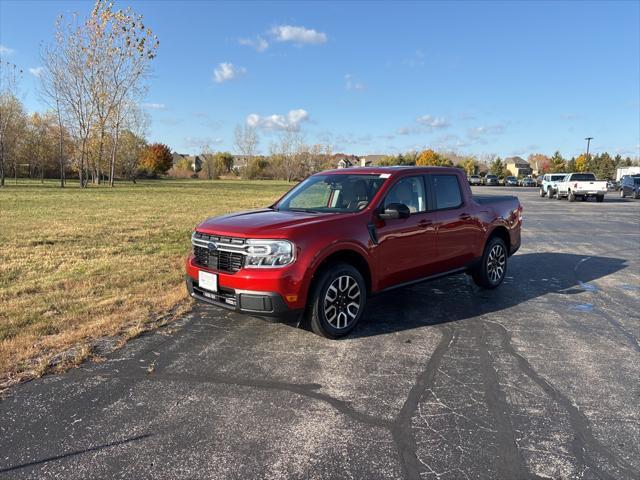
406, 246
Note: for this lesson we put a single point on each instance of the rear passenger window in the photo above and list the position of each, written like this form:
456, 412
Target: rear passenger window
447, 191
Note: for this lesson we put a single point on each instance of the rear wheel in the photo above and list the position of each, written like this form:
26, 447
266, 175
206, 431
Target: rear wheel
493, 265
337, 301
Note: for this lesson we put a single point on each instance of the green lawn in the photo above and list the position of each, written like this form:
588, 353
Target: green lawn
77, 264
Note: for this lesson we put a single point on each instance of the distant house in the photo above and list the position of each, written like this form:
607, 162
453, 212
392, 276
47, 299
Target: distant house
368, 160
518, 166
342, 160
195, 161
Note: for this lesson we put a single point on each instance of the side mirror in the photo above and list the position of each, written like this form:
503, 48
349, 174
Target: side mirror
395, 211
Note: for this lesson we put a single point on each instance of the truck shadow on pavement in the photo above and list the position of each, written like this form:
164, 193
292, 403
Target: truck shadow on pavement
529, 276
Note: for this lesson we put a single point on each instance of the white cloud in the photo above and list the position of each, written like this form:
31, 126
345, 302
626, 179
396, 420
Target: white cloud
4, 50
154, 106
298, 35
478, 132
351, 83
425, 124
259, 44
227, 71
290, 121
36, 71
433, 122
201, 143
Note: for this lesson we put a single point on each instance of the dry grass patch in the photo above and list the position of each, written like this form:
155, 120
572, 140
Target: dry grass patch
78, 265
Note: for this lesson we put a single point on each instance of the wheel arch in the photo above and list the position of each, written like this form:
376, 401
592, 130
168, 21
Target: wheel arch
347, 255
501, 232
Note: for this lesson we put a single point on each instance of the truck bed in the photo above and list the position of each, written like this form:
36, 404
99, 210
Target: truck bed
487, 199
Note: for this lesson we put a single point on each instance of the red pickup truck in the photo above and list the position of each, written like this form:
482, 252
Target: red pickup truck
343, 235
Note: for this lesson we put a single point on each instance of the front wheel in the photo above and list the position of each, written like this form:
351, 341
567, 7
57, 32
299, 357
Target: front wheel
337, 301
542, 192
622, 193
571, 197
550, 194
493, 265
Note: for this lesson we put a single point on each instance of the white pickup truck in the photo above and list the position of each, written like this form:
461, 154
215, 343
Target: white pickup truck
580, 185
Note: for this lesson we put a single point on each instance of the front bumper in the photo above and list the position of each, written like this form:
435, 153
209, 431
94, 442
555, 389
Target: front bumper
268, 304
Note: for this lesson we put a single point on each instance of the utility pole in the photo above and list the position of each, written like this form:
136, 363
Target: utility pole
588, 139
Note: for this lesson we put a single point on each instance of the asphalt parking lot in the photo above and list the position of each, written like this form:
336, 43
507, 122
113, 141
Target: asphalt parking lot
537, 379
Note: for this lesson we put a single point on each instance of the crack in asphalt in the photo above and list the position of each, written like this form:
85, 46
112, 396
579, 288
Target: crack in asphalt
401, 427
509, 462
584, 438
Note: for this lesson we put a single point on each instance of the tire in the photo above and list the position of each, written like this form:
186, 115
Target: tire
493, 266
542, 192
622, 193
558, 197
583, 198
599, 198
550, 194
636, 195
331, 312
571, 197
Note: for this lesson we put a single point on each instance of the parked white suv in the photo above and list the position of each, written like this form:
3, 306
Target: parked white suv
548, 182
582, 186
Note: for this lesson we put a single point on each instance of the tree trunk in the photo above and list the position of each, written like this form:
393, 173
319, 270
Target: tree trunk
81, 167
1, 164
114, 150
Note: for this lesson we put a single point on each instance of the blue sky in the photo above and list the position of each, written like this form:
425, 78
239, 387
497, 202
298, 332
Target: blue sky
378, 77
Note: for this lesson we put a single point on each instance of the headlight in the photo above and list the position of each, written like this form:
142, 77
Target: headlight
269, 253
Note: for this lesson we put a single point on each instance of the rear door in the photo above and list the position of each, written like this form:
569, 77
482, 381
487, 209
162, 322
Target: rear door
458, 229
407, 246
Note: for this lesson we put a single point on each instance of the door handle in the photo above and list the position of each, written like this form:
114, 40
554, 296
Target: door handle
465, 216
425, 223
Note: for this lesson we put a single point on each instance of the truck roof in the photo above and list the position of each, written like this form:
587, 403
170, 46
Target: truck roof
391, 170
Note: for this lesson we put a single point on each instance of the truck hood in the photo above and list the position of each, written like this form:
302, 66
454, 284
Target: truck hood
260, 223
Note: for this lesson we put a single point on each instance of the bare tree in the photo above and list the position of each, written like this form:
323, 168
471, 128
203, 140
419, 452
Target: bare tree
246, 141
10, 109
93, 70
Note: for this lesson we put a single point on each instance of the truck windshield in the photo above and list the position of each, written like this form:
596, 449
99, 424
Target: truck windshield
334, 193
583, 177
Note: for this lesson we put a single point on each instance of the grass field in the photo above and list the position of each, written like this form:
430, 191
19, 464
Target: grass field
78, 265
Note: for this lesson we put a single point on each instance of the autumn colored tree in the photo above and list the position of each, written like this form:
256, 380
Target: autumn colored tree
557, 163
430, 158
497, 167
582, 163
470, 166
156, 159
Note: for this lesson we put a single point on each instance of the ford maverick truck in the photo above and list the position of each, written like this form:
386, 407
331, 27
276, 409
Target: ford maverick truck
340, 236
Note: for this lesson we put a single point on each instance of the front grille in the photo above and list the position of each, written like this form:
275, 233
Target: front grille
220, 259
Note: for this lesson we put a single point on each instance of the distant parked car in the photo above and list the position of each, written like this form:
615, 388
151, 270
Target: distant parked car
511, 182
475, 180
547, 184
491, 180
612, 185
630, 186
528, 182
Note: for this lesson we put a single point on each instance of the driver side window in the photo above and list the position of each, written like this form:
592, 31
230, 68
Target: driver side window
410, 192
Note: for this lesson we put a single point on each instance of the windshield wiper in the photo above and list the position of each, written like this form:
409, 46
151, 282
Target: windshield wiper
309, 210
